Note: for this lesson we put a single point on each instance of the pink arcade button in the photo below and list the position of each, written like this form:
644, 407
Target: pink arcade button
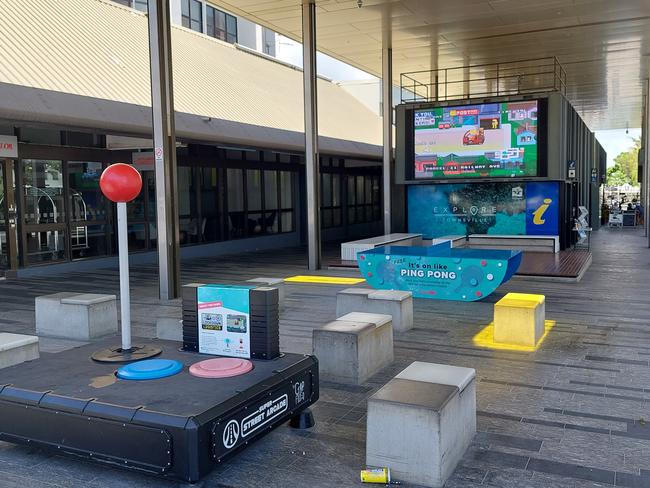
221, 368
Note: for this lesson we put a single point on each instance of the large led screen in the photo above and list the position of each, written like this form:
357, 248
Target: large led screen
497, 208
492, 140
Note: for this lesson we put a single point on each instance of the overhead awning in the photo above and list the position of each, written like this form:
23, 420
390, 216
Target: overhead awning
603, 44
85, 64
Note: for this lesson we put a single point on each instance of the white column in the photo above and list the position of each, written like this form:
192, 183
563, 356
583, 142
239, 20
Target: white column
387, 128
312, 170
125, 294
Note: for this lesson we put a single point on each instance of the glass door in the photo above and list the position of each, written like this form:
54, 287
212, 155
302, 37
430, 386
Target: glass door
87, 209
44, 214
141, 214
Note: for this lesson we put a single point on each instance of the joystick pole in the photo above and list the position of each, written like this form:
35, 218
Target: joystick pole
125, 292
121, 183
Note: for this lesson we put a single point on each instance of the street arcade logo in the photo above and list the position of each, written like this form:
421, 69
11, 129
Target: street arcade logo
231, 434
266, 413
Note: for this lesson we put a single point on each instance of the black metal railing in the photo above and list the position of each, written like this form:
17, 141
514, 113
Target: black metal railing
484, 80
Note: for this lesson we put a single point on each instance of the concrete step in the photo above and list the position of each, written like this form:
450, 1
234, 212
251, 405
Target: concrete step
17, 348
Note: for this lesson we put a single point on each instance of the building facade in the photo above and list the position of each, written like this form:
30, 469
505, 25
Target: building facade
52, 210
204, 17
240, 151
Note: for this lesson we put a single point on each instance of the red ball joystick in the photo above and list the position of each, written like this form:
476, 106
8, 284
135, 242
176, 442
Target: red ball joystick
120, 182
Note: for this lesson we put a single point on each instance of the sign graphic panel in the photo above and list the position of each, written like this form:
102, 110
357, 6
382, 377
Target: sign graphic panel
497, 208
224, 320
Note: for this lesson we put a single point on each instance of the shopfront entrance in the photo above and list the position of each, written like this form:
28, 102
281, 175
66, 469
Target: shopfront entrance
65, 217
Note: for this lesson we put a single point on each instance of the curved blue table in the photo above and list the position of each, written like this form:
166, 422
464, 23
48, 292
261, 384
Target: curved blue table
439, 272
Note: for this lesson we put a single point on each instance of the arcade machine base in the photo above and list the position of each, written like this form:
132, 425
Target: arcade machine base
178, 427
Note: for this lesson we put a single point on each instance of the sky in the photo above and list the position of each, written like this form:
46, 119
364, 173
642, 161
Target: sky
616, 141
613, 141
290, 51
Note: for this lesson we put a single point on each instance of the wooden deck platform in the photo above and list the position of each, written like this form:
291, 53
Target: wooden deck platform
570, 264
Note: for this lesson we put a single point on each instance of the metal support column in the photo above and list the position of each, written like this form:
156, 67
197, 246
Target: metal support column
645, 143
312, 169
164, 138
387, 128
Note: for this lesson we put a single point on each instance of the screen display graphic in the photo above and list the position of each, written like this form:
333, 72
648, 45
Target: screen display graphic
493, 140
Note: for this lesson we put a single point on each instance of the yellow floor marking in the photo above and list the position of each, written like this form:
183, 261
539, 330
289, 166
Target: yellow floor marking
485, 338
324, 280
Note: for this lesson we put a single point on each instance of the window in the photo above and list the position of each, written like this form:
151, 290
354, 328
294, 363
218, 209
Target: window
236, 214
263, 205
286, 202
6, 129
271, 202
191, 225
43, 191
136, 4
254, 222
192, 15
331, 209
82, 139
268, 41
43, 210
210, 214
39, 135
364, 198
221, 25
87, 207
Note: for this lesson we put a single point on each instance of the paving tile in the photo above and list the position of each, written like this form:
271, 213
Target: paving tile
507, 478
631, 480
497, 458
508, 441
571, 470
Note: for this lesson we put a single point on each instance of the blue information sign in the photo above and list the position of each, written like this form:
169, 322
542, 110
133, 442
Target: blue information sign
542, 209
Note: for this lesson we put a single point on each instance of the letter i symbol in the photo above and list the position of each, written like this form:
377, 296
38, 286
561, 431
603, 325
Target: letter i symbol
539, 213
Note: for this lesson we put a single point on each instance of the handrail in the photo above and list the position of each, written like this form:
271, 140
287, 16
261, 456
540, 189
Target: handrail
495, 79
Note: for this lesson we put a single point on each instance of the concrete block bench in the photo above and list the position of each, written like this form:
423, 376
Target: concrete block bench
169, 329
421, 422
271, 282
519, 319
354, 347
397, 304
81, 316
17, 348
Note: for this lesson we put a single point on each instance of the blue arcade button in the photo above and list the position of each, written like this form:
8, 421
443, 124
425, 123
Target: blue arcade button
149, 369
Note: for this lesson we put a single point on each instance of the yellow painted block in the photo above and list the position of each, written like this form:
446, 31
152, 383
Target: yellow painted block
324, 280
485, 338
524, 297
519, 319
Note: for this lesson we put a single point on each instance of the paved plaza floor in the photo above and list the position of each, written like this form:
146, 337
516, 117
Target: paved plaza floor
574, 414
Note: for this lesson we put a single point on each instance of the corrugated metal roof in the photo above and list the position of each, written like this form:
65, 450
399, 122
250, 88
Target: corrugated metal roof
98, 49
